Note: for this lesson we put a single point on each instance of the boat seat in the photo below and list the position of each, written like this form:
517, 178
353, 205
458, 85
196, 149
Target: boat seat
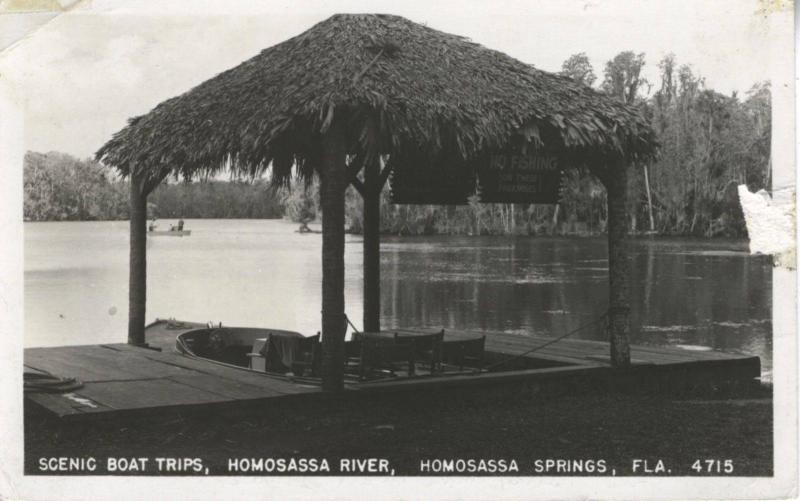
378, 355
427, 347
308, 356
465, 353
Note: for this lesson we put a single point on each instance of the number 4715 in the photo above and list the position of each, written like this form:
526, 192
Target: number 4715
713, 466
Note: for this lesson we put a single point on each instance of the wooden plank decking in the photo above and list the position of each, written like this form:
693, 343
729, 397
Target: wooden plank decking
120, 379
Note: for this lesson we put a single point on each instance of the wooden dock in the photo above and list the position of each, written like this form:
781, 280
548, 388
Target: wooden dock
120, 379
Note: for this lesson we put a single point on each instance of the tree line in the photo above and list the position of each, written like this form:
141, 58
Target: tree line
710, 143
59, 187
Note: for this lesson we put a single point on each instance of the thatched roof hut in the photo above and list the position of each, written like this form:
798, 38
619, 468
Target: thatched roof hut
401, 85
360, 86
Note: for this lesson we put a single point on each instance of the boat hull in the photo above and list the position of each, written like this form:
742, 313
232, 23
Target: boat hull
168, 233
236, 346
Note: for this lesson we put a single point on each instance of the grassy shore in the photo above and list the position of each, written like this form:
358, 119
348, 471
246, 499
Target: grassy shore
511, 423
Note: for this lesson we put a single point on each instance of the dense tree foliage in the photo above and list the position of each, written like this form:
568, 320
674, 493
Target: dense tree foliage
59, 187
579, 68
710, 143
218, 199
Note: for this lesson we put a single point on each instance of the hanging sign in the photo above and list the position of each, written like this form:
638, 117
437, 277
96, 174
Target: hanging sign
515, 178
439, 180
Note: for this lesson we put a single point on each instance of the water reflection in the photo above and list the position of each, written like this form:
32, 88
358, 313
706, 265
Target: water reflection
691, 293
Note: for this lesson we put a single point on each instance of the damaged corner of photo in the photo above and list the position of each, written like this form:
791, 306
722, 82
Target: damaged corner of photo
771, 224
263, 250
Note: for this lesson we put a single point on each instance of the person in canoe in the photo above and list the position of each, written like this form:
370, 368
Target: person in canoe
152, 226
306, 216
177, 227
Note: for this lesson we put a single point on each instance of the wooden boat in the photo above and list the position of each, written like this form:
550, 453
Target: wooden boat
242, 347
170, 233
285, 353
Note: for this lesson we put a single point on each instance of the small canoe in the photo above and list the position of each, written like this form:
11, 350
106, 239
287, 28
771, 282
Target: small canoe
170, 233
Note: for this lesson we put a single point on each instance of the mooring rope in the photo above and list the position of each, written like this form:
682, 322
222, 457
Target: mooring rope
351, 324
48, 383
347, 319
555, 340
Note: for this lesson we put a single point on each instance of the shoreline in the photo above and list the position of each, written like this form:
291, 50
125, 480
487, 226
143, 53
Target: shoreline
570, 235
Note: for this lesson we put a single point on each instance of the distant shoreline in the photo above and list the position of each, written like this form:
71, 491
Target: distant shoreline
637, 235
58, 187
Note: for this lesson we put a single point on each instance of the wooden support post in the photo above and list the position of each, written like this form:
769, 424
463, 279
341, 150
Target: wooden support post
334, 181
372, 257
619, 306
137, 282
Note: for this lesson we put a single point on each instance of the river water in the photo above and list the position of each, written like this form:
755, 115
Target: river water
697, 294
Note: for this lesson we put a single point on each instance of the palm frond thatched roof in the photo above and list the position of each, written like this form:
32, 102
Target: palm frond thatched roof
398, 84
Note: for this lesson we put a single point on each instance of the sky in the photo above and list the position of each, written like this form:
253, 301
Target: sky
83, 73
